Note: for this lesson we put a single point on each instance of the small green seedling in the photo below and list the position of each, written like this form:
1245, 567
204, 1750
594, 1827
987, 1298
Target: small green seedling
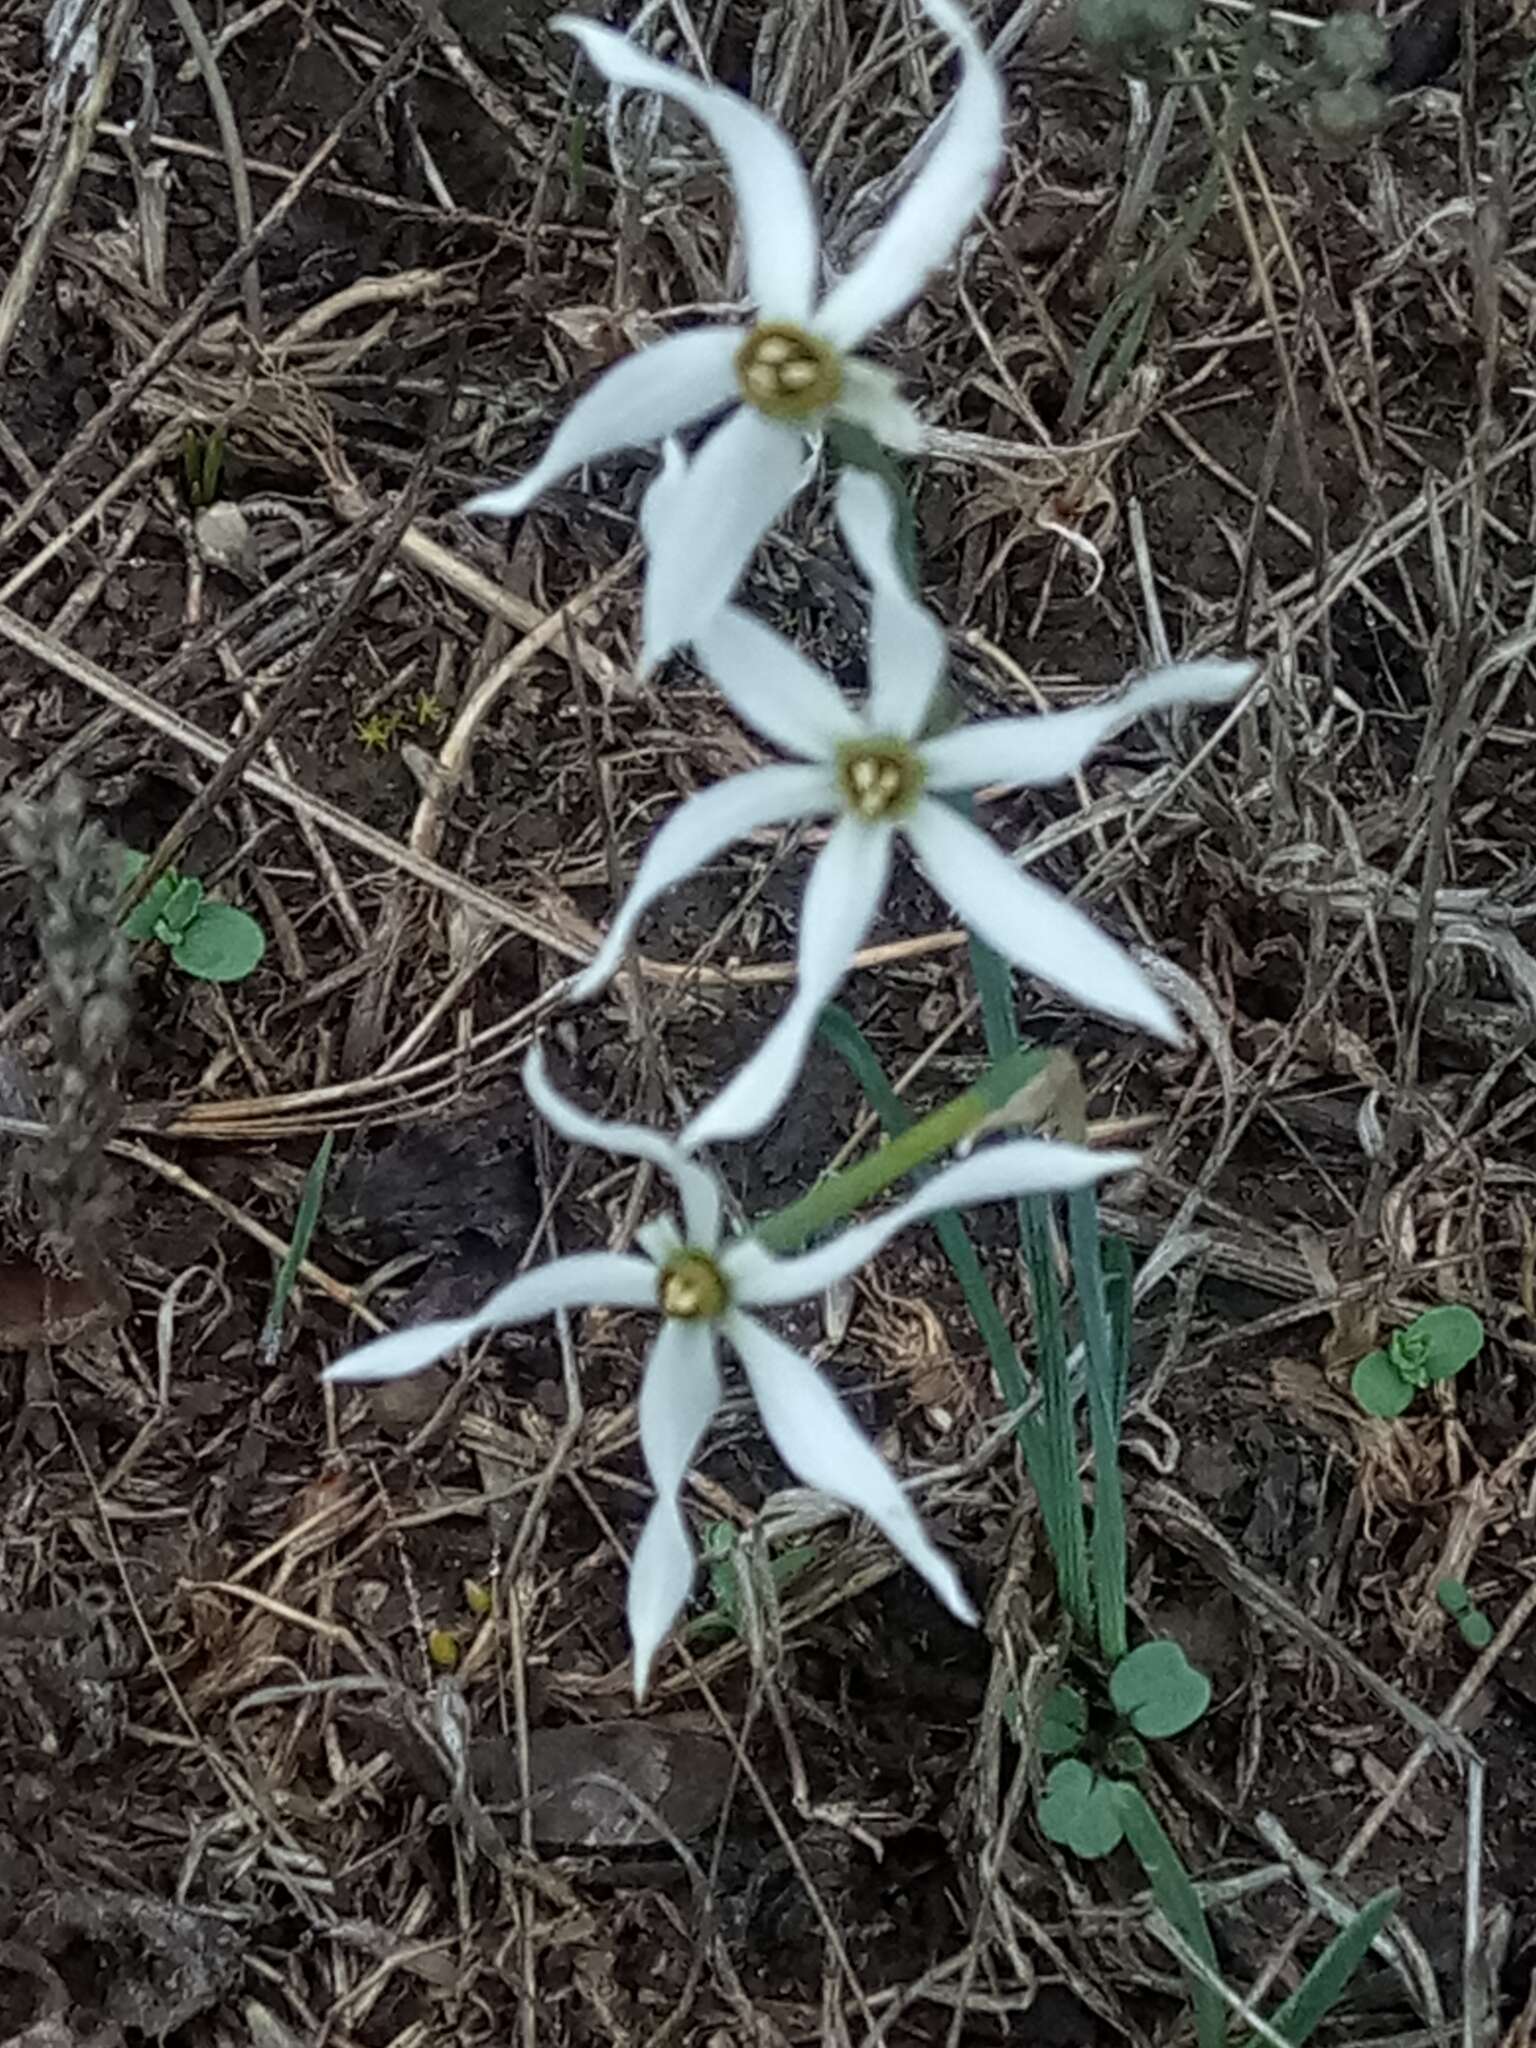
722, 1565
1476, 1628
1435, 1346
210, 941
202, 465
1155, 1692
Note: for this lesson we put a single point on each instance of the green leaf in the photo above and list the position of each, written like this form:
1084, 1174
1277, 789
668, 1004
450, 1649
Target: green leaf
1158, 1690
1125, 1755
1379, 1387
179, 908
1078, 1811
298, 1250
1180, 1904
1442, 1340
1064, 1722
1476, 1629
1328, 1979
1453, 1596
146, 914
220, 944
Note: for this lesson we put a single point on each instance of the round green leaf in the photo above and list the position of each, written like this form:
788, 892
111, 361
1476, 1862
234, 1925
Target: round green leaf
1078, 1810
1352, 45
1158, 1690
1064, 1722
1476, 1629
1453, 1596
220, 944
1450, 1337
1379, 1387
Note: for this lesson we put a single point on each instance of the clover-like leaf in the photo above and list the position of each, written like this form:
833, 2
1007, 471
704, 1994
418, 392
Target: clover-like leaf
1439, 1343
1379, 1387
1079, 1811
1158, 1690
1064, 1722
220, 944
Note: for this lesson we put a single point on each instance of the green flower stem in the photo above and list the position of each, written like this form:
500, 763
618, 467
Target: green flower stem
840, 1194
846, 1039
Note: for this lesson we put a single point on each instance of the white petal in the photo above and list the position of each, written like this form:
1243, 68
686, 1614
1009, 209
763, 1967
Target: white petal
678, 1398
773, 195
824, 1448
906, 642
871, 398
773, 688
710, 524
698, 1189
585, 1280
838, 907
1029, 924
947, 194
1054, 744
1023, 1166
691, 837
651, 393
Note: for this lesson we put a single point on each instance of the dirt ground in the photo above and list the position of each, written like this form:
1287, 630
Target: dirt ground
244, 1799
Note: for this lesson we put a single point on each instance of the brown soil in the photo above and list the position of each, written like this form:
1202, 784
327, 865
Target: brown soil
228, 1601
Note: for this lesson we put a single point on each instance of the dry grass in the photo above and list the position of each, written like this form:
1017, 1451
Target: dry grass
376, 272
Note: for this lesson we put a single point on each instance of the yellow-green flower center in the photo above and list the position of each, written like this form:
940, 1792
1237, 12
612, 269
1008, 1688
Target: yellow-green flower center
692, 1288
880, 779
787, 373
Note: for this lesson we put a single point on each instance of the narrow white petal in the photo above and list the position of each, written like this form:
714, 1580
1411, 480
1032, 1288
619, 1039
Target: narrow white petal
730, 494
773, 194
906, 642
826, 1449
678, 1398
585, 1280
1024, 1166
698, 1189
691, 837
946, 195
1054, 744
871, 398
649, 394
1029, 924
838, 907
773, 688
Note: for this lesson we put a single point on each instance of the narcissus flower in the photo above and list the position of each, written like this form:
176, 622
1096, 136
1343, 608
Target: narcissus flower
793, 368
870, 771
704, 1284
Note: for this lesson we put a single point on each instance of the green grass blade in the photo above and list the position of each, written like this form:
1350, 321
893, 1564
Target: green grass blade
1051, 1444
298, 1250
1181, 1907
1106, 1406
1328, 1979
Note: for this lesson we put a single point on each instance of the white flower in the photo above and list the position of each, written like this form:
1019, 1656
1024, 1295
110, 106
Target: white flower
793, 367
704, 1283
870, 770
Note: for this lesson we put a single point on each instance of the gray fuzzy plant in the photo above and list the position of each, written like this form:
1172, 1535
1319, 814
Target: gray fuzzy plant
69, 864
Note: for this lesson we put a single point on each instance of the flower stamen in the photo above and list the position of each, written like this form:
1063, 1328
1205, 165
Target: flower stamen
880, 779
692, 1288
787, 373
